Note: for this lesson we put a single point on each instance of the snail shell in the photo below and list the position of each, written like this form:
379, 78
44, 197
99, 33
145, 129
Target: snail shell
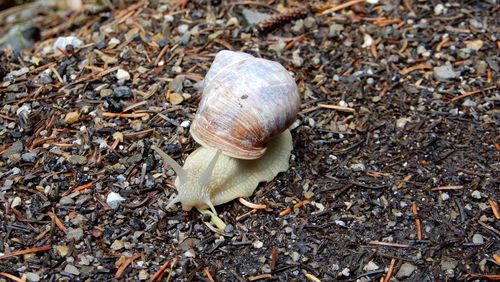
246, 101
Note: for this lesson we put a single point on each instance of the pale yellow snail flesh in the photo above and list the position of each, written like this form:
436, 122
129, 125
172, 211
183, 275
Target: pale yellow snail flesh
247, 105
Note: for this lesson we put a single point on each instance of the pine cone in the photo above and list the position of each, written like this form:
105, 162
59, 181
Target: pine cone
282, 19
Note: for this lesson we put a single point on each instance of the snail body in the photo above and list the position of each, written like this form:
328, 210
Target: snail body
246, 107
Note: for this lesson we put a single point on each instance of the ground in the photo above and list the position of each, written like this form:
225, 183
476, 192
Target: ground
394, 173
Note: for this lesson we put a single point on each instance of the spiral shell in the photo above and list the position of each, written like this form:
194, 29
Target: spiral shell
246, 101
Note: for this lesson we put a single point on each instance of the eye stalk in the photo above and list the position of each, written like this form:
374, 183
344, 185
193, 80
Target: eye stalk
186, 178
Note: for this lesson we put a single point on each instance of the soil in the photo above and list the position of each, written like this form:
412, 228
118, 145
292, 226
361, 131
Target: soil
394, 173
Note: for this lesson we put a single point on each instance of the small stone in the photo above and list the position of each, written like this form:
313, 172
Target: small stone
295, 256
114, 200
370, 266
476, 194
72, 117
77, 159
445, 196
66, 201
477, 239
254, 17
448, 264
183, 28
185, 123
346, 272
16, 202
308, 195
75, 234
143, 275
117, 245
136, 124
257, 244
445, 72
62, 42
229, 228
298, 27
122, 92
474, 44
405, 270
113, 41
71, 269
438, 9
175, 99
16, 148
297, 60
62, 250
105, 93
176, 84
28, 157
481, 66
33, 277
122, 75
309, 22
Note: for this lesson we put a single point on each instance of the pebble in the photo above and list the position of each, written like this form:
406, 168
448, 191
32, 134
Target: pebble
77, 159
298, 27
370, 266
105, 93
405, 270
229, 228
176, 84
257, 244
254, 17
445, 72
122, 74
28, 157
309, 22
476, 194
71, 269
183, 28
401, 122
295, 256
15, 148
62, 42
175, 99
66, 201
438, 9
114, 41
31, 276
474, 44
117, 245
445, 196
75, 234
62, 250
114, 199
346, 272
143, 275
122, 92
477, 239
481, 66
16, 202
72, 117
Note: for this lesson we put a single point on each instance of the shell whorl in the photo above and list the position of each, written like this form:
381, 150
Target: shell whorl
246, 101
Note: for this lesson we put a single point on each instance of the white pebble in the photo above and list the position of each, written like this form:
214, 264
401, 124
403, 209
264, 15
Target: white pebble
445, 196
476, 194
114, 199
185, 123
62, 42
122, 74
257, 244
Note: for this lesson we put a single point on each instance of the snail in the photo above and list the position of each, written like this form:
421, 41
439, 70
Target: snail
242, 121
